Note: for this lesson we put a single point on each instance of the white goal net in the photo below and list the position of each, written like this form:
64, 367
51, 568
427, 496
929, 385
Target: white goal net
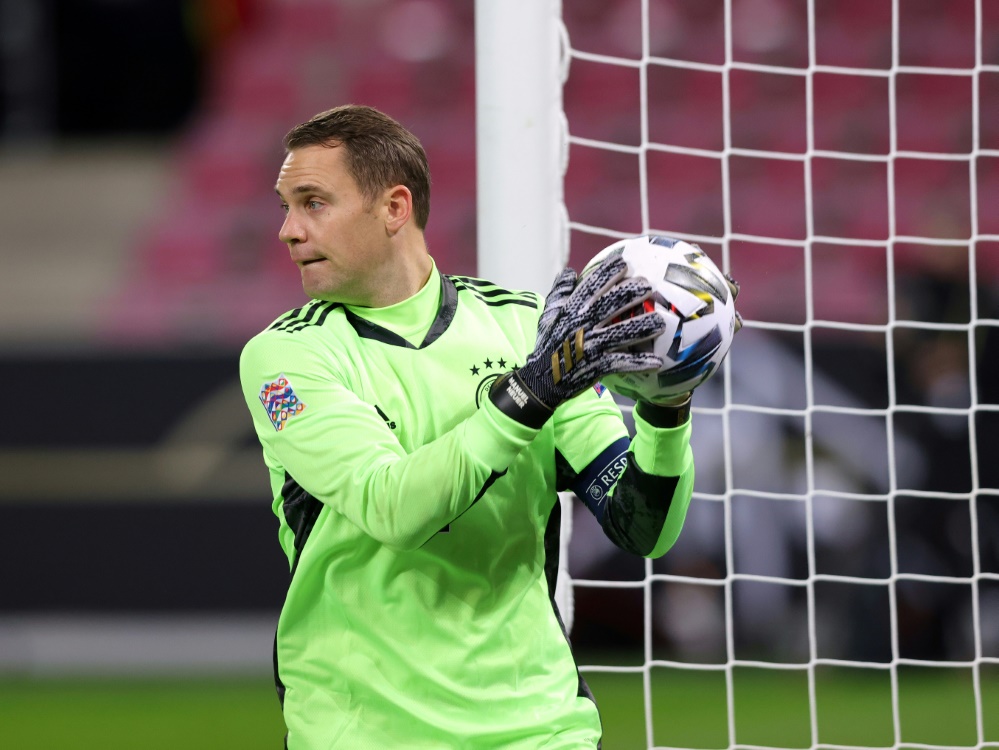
837, 581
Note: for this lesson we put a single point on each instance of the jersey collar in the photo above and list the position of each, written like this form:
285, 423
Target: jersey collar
445, 314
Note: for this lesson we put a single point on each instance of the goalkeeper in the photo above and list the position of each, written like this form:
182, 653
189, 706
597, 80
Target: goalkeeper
416, 427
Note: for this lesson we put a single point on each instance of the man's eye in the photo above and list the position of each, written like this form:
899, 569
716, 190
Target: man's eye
314, 205
284, 207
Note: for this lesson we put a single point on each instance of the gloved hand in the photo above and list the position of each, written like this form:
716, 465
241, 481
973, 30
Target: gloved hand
577, 342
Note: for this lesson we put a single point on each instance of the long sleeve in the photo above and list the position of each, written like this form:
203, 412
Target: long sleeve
639, 489
340, 450
649, 502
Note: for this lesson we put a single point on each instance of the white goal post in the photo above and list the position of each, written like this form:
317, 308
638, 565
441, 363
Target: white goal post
521, 150
520, 142
866, 485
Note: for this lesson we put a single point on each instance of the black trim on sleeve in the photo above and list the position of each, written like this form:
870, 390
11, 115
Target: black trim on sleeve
553, 545
635, 514
278, 684
300, 511
490, 480
565, 475
493, 476
664, 416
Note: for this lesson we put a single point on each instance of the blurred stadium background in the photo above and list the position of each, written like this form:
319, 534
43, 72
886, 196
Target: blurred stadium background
139, 140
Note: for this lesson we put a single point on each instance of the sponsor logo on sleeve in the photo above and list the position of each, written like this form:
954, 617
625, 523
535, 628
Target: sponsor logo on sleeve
280, 401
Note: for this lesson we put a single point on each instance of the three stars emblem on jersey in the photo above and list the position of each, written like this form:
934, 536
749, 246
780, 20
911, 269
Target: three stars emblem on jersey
280, 401
492, 368
488, 364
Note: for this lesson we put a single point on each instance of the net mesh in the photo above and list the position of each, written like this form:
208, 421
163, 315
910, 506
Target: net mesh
841, 160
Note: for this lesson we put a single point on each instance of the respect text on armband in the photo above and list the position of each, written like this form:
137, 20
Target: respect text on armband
606, 478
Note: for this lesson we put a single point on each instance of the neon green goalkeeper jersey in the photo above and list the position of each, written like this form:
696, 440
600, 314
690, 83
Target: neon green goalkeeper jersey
421, 523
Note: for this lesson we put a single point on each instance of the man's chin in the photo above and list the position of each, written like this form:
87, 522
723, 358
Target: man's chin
318, 294
325, 294
316, 289
331, 293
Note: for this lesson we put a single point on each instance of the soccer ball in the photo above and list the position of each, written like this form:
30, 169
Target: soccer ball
698, 302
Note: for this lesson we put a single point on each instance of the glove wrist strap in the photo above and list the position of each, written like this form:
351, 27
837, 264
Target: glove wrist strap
517, 401
665, 416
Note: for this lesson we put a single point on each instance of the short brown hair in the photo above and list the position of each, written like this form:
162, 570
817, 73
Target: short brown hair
380, 152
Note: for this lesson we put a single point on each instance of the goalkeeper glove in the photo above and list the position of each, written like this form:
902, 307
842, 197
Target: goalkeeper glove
578, 342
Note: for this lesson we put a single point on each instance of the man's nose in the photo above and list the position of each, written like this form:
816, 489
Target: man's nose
291, 230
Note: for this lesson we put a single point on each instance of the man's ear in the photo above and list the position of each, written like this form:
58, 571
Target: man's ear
399, 208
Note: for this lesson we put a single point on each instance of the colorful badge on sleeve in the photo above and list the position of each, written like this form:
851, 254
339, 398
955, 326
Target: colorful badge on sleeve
280, 401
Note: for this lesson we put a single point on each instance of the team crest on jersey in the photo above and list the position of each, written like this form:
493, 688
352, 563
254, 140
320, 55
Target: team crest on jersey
280, 401
482, 389
490, 369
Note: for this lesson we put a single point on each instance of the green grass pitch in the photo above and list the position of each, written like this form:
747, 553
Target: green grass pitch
771, 708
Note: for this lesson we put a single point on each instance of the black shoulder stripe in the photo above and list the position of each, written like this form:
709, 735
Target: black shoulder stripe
326, 312
488, 288
316, 316
472, 280
287, 317
326, 308
500, 302
527, 299
310, 310
497, 292
523, 302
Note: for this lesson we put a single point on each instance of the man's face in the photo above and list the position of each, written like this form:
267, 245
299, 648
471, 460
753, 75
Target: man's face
336, 237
